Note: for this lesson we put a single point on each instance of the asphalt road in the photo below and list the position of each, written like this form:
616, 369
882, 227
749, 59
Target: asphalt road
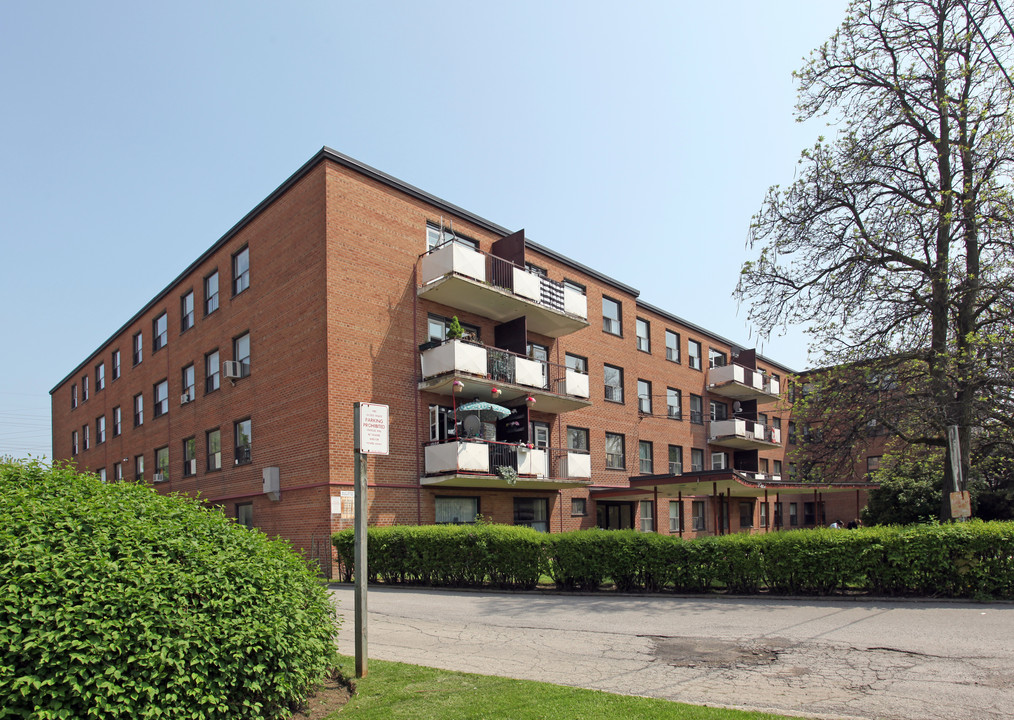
818, 658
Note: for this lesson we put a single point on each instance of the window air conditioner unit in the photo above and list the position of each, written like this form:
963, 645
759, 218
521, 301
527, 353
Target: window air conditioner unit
232, 369
159, 477
184, 398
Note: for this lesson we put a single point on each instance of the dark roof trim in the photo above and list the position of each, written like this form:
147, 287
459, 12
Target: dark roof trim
708, 333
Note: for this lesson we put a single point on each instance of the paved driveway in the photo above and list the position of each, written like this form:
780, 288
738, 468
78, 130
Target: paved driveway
834, 658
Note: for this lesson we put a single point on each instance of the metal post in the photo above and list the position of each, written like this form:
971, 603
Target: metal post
360, 550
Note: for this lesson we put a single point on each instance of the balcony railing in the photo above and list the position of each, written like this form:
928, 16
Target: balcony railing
740, 433
736, 381
484, 457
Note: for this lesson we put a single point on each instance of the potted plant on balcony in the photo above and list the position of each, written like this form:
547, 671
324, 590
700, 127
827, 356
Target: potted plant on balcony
454, 330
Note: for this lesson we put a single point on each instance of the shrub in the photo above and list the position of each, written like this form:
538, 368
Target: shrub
118, 602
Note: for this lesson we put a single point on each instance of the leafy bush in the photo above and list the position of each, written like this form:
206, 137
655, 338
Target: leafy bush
118, 602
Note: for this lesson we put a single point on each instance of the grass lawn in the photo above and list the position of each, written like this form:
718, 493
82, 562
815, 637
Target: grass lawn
398, 690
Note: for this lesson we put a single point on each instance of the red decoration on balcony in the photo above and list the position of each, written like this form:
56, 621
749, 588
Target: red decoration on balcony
457, 386
496, 392
530, 400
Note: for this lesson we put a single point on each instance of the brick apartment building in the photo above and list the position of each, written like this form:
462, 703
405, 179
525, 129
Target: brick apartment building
237, 381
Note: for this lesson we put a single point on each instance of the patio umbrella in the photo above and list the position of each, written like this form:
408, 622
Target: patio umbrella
486, 411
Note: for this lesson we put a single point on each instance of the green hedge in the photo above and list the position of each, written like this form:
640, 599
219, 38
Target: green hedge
974, 559
118, 602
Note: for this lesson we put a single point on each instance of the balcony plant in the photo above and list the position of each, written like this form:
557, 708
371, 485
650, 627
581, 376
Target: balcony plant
454, 330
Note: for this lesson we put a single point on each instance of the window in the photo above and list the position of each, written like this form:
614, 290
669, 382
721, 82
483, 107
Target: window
762, 418
645, 456
792, 432
778, 514
577, 363
532, 512
190, 457
214, 442
211, 371
776, 467
100, 429
612, 377
117, 421
718, 461
577, 438
100, 376
719, 411
159, 332
116, 364
612, 321
187, 311
455, 510
538, 352
716, 358
162, 464
873, 463
536, 270
577, 287
809, 513
675, 460
700, 516
675, 519
102, 474
73, 396
578, 507
86, 436
672, 346
540, 434
615, 451
776, 423
647, 516
436, 235
84, 389
793, 514
138, 410
188, 376
696, 460
763, 465
73, 442
746, 514
241, 271
138, 346
244, 514
643, 331
139, 467
241, 353
697, 409
117, 472
694, 353
674, 404
211, 293
161, 395
437, 329
644, 397
441, 423
792, 472
243, 441
764, 514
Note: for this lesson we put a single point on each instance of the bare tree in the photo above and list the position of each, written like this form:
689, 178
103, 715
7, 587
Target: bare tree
894, 243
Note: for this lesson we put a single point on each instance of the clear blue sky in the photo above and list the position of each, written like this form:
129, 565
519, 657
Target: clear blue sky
638, 141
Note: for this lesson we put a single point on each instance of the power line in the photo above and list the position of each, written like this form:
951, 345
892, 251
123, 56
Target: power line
985, 40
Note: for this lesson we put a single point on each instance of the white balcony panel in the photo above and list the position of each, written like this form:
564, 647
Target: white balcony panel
454, 356
577, 465
575, 302
532, 462
530, 372
527, 285
457, 456
774, 387
735, 433
737, 382
575, 384
453, 258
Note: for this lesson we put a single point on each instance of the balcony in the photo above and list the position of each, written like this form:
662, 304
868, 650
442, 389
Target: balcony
555, 388
476, 463
743, 435
461, 277
741, 383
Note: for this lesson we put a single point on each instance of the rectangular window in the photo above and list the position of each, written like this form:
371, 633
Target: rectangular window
187, 311
809, 513
241, 352
442, 423
577, 438
189, 379
643, 335
746, 514
762, 465
578, 507
211, 371
100, 376
161, 464
612, 319
612, 377
73, 442
540, 434
672, 346
697, 409
719, 411
647, 516
138, 410
696, 460
211, 293
674, 404
244, 515
117, 421
102, 474
645, 456
700, 516
116, 364
455, 510
241, 271
532, 512
577, 363
73, 396
675, 460
776, 467
84, 389
675, 519
86, 436
243, 440
716, 358
873, 463
764, 514
138, 345
776, 423
792, 432
214, 442
694, 354
190, 457
437, 235
793, 514
615, 451
159, 332
139, 467
644, 397
762, 418
437, 327
161, 398
117, 472
100, 429
718, 461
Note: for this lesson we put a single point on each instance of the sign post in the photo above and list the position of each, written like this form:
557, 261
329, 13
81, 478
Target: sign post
371, 437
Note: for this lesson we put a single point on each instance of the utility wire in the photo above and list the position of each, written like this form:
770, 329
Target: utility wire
986, 40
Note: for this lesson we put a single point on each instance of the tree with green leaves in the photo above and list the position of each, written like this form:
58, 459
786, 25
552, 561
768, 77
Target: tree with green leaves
894, 244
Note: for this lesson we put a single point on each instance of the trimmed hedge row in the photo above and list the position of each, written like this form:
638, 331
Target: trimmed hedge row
974, 559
